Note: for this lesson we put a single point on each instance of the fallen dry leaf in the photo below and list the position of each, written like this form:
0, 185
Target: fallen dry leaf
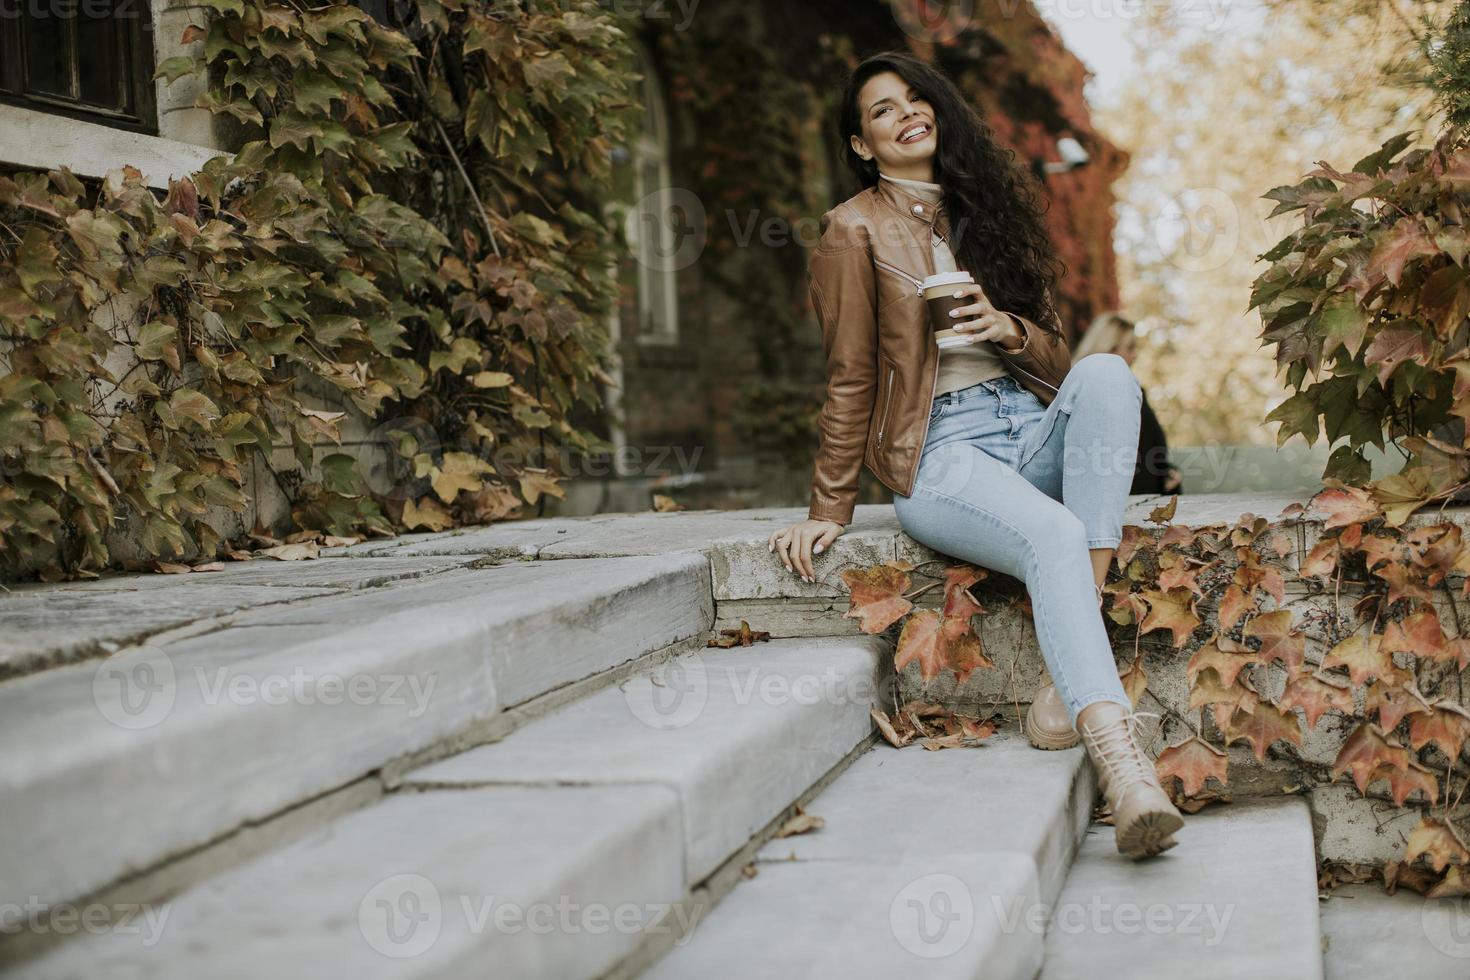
302, 551
209, 566
171, 568
663, 503
801, 823
945, 728
744, 637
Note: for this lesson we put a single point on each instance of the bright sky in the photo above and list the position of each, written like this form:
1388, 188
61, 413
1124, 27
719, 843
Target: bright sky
1099, 31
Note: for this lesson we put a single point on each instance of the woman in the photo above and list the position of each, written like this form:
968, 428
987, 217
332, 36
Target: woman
972, 442
1153, 473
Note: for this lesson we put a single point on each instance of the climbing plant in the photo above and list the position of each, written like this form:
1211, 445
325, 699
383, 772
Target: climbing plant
1352, 650
405, 222
1366, 304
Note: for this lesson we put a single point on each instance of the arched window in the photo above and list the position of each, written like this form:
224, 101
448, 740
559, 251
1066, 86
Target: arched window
649, 221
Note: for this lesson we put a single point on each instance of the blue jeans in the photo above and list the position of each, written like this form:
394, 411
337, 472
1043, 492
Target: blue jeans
1023, 488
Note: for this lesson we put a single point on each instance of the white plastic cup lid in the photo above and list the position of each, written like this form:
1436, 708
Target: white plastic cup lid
948, 279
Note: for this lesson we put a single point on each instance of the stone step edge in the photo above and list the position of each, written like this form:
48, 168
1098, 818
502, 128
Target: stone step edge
151, 888
1282, 808
1049, 871
705, 896
651, 601
176, 873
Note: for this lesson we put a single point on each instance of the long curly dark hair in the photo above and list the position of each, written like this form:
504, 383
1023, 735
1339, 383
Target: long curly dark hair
994, 207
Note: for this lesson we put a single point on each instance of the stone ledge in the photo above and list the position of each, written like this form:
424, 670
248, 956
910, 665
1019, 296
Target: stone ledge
44, 141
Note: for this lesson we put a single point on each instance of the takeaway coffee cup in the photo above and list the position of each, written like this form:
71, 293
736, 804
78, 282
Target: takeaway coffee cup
939, 293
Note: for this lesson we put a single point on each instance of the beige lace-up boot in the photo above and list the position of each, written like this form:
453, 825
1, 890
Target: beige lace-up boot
1048, 725
1144, 818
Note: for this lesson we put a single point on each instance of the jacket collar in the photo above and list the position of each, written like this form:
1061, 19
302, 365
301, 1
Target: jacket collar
915, 209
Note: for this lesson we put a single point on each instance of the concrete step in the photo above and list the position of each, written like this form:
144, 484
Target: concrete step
167, 747
552, 853
738, 734
509, 881
1370, 934
933, 864
1237, 897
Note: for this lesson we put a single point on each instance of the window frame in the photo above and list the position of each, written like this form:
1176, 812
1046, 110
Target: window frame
135, 32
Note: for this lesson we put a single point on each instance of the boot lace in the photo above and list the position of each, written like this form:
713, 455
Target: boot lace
1118, 750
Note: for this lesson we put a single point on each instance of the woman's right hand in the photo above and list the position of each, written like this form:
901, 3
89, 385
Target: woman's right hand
795, 544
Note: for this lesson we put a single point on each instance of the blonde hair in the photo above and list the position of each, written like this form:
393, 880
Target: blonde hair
1104, 335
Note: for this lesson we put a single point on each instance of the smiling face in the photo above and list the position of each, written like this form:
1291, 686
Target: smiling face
899, 128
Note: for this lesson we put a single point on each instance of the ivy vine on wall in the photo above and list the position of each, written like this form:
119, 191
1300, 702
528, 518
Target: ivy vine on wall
407, 222
1343, 662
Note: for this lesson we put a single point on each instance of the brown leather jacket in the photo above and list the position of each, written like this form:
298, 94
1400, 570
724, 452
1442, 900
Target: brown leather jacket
882, 362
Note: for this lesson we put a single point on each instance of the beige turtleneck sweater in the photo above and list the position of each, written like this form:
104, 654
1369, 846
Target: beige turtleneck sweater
959, 367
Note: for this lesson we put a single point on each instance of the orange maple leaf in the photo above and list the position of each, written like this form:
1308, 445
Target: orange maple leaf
1250, 575
1172, 611
959, 603
962, 648
1436, 840
1364, 751
1192, 761
937, 642
1134, 537
1436, 547
1209, 689
1403, 582
919, 641
1393, 703
1315, 696
1421, 634
1446, 726
876, 596
1402, 782
1363, 657
1278, 642
1226, 663
1344, 505
1322, 560
1233, 605
1135, 680
1261, 726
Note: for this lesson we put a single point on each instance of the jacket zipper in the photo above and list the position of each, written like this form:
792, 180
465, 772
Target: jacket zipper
918, 283
887, 407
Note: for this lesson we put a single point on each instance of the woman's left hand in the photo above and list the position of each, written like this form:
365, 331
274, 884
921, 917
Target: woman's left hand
986, 323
